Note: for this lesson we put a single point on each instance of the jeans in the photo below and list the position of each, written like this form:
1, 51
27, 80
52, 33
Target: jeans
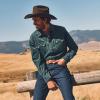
61, 75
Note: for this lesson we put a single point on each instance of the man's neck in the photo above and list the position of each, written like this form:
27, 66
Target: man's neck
46, 29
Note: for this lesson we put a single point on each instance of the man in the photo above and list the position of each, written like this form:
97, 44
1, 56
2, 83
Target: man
49, 45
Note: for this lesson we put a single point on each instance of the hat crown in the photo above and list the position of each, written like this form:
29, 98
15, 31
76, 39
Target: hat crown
40, 9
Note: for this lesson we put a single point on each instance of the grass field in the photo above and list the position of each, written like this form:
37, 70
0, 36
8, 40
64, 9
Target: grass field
13, 68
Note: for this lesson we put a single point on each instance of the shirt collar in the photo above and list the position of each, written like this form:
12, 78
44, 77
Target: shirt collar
42, 34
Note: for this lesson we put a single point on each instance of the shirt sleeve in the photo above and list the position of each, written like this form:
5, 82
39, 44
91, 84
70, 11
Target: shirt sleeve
72, 47
39, 61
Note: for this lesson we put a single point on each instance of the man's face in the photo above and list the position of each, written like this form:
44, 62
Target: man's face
38, 22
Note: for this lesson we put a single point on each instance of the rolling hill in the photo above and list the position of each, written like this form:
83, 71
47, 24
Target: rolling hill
81, 37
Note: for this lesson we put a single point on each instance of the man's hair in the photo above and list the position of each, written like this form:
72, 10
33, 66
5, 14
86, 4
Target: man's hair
48, 19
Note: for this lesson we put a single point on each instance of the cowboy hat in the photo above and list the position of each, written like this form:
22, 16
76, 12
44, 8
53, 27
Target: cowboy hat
41, 11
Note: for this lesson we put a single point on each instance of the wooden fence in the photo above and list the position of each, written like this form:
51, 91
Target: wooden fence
77, 79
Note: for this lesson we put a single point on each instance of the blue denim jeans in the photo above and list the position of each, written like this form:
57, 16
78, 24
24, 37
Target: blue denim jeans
61, 75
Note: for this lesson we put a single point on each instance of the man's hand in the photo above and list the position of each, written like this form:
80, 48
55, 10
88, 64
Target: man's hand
59, 62
52, 85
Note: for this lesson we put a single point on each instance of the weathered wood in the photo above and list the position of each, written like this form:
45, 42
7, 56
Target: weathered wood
26, 86
31, 75
77, 79
86, 78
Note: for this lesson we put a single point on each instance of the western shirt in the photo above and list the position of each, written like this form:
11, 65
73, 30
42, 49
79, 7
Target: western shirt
54, 45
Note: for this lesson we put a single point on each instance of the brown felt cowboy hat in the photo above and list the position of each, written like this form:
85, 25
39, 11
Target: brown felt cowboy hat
41, 11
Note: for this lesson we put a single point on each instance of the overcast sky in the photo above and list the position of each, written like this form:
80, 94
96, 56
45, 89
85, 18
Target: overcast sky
72, 14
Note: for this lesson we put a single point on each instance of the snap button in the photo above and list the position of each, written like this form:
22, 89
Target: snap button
56, 41
43, 45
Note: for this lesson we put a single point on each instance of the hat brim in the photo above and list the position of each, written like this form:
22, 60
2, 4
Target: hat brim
40, 15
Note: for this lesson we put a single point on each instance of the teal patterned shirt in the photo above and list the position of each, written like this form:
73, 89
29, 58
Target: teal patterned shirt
56, 44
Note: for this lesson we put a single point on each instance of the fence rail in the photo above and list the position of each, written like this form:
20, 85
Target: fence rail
77, 79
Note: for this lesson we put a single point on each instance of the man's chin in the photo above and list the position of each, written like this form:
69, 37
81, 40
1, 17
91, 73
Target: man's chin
37, 27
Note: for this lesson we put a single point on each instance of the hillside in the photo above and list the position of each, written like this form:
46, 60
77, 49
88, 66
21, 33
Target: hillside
13, 46
91, 45
80, 37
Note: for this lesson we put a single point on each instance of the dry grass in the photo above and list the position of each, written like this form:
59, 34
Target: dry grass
13, 68
85, 61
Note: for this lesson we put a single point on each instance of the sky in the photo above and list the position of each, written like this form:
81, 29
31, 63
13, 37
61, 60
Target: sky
72, 14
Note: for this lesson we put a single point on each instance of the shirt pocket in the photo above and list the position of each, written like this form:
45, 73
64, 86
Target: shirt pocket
58, 44
41, 45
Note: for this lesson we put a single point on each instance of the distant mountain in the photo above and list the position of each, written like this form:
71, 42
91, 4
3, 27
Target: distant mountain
92, 45
80, 37
13, 46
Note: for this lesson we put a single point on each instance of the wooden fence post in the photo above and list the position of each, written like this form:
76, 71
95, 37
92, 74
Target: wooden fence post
31, 76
